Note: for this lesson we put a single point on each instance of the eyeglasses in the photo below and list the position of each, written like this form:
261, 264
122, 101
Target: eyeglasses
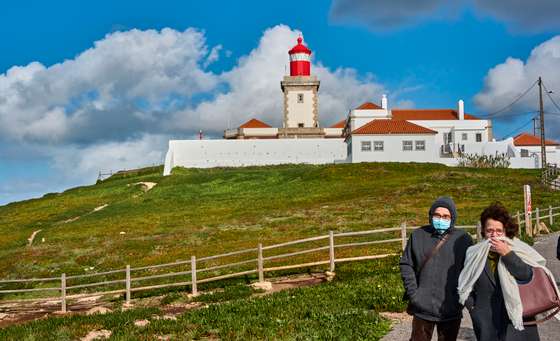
439, 216
493, 231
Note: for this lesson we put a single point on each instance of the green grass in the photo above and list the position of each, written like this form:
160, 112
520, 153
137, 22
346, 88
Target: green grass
344, 309
203, 212
206, 212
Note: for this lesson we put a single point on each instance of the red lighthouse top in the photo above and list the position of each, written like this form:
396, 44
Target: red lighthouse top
299, 48
300, 59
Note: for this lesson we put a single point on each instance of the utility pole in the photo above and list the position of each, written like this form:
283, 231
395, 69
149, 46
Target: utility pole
543, 145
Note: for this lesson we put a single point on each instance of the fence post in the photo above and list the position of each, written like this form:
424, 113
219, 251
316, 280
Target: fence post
331, 251
537, 222
260, 263
403, 235
127, 297
478, 231
519, 220
63, 292
193, 276
550, 217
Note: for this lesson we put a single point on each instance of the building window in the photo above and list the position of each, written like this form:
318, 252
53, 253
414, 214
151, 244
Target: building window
366, 146
464, 136
524, 153
478, 137
378, 146
300, 125
300, 98
406, 145
420, 145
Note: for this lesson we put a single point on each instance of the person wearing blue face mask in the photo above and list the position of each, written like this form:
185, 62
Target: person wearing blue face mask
430, 266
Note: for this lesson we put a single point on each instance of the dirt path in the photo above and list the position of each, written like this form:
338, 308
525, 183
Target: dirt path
548, 331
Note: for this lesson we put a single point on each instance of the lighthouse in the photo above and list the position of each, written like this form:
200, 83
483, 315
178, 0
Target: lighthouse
300, 88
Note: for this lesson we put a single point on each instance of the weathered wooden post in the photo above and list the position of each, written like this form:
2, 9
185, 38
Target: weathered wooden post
478, 231
260, 263
331, 251
518, 219
63, 292
193, 276
537, 222
127, 296
528, 210
403, 235
550, 217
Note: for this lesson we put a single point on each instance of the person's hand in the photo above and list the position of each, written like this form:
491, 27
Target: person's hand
499, 246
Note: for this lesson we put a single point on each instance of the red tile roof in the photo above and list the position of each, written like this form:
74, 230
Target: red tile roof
368, 105
526, 139
382, 127
428, 114
254, 123
340, 124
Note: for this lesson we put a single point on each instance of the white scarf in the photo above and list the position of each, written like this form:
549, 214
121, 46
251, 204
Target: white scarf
475, 262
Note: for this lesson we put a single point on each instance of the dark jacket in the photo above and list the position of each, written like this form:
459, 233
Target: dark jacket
487, 308
433, 293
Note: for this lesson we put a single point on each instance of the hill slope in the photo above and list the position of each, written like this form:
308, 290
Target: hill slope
203, 212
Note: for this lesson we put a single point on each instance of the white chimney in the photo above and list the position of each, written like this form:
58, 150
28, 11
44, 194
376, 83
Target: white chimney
384, 101
461, 109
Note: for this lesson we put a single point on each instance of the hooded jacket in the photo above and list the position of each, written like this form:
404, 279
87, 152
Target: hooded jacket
432, 293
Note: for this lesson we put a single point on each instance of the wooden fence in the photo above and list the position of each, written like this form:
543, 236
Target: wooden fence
538, 215
130, 279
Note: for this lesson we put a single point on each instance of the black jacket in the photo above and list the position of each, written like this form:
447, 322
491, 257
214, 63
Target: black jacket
433, 292
487, 308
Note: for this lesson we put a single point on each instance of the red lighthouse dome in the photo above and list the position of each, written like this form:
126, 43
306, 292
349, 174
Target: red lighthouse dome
300, 59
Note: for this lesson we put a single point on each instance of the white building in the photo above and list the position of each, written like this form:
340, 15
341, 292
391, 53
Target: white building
451, 132
370, 133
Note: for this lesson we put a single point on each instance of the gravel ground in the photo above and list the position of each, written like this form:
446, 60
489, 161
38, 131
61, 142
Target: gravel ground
548, 331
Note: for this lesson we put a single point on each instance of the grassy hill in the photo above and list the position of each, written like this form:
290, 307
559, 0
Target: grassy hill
205, 212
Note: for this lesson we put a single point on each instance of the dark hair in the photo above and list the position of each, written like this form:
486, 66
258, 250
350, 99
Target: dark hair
498, 212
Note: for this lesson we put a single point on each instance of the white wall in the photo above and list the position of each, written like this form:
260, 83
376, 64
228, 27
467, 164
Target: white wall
237, 153
458, 127
300, 112
359, 117
393, 150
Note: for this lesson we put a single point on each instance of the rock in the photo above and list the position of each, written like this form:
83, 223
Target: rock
98, 310
100, 207
122, 232
96, 335
330, 275
141, 323
3, 316
266, 286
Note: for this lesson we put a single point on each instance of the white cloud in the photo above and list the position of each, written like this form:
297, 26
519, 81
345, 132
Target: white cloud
507, 81
128, 80
254, 88
83, 164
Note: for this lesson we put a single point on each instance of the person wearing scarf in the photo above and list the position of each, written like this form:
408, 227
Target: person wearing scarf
488, 283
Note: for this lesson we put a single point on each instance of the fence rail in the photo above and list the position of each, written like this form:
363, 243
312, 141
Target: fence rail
126, 275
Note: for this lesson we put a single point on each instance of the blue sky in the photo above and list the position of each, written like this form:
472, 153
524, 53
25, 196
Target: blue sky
106, 105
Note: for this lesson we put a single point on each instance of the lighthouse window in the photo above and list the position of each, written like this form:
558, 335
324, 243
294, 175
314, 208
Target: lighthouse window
300, 98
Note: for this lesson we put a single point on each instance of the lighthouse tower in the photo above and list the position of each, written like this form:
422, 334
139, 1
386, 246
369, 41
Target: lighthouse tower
301, 104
